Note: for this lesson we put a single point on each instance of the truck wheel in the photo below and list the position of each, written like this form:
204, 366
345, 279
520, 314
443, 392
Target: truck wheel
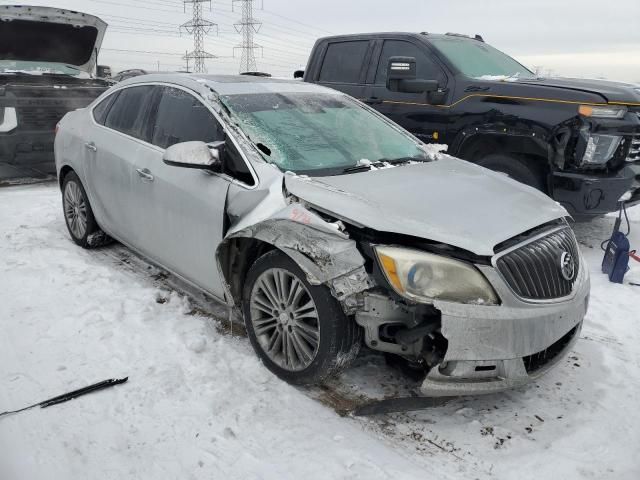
78, 216
298, 330
523, 171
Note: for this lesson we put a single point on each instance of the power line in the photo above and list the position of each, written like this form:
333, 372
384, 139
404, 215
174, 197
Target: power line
247, 27
199, 27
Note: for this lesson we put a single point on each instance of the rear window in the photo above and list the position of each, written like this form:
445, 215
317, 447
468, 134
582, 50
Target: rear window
101, 110
343, 62
129, 109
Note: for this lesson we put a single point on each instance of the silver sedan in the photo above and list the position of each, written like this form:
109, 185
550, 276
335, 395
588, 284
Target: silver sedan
325, 225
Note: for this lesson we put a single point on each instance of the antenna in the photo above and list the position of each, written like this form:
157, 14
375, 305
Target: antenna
247, 27
198, 27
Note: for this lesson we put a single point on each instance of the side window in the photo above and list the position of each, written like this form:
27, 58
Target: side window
128, 109
181, 117
343, 62
426, 68
101, 110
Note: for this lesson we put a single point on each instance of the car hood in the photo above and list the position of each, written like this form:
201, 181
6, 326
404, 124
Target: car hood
617, 92
448, 201
53, 35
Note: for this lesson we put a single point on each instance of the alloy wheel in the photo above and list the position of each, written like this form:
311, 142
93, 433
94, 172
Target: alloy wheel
75, 209
285, 319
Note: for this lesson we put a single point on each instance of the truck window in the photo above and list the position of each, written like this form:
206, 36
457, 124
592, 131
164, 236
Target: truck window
426, 68
343, 62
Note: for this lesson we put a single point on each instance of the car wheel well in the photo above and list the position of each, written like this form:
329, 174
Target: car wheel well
235, 257
64, 171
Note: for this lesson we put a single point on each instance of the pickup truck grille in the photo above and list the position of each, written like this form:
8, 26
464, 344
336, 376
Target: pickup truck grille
534, 270
40, 118
634, 150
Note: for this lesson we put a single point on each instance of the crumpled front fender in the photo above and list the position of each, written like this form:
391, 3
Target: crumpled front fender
323, 251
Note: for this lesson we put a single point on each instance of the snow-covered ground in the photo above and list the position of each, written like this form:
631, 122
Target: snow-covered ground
199, 404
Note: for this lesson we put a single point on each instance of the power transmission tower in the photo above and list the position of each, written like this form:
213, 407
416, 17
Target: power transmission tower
198, 27
247, 27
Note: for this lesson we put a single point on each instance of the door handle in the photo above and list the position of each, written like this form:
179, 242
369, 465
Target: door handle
145, 174
373, 101
91, 146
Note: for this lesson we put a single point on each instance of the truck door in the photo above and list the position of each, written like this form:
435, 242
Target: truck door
344, 66
410, 110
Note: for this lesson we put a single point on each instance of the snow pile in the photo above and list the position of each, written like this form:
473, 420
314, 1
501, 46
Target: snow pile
199, 404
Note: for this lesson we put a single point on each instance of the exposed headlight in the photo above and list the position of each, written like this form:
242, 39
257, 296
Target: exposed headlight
600, 149
8, 119
424, 277
605, 111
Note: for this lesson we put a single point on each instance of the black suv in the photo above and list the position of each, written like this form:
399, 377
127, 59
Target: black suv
577, 140
47, 56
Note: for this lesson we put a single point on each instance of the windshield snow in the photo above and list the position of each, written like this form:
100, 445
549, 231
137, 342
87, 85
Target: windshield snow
319, 134
476, 59
37, 68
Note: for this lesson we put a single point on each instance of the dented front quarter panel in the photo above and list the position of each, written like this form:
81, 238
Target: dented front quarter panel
321, 248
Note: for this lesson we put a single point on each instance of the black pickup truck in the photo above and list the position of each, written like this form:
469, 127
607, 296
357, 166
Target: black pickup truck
47, 56
577, 140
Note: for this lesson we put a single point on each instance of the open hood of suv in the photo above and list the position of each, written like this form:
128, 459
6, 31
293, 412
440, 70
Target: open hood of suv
448, 201
44, 34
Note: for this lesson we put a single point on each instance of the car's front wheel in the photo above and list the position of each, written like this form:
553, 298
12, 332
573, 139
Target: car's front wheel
78, 216
298, 330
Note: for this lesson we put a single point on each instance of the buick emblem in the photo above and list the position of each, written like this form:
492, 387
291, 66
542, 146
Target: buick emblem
567, 266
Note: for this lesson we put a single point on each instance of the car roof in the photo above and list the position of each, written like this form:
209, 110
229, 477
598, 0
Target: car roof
231, 84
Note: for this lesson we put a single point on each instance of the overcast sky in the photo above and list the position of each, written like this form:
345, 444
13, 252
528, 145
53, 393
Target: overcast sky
588, 38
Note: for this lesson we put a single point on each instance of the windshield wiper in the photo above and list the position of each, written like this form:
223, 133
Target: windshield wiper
357, 168
396, 161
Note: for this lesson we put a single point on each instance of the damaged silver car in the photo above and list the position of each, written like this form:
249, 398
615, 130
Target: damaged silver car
326, 226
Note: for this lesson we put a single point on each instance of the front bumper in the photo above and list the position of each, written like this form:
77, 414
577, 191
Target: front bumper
491, 349
584, 194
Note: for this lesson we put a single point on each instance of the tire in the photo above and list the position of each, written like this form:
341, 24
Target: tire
338, 337
78, 216
523, 171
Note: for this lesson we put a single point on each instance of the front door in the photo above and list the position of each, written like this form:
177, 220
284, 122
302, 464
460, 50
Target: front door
180, 211
410, 110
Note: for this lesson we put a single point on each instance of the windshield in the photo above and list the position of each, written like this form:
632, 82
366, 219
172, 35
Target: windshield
319, 133
476, 59
37, 68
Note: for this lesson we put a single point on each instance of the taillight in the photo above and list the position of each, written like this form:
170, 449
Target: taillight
57, 128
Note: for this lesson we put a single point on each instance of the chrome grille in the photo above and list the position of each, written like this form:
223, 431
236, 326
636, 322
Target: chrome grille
534, 270
634, 150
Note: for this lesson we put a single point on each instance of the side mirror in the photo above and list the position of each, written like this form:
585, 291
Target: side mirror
197, 155
298, 74
401, 77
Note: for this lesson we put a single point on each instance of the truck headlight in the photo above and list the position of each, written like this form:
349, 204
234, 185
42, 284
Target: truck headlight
600, 149
602, 111
424, 277
8, 119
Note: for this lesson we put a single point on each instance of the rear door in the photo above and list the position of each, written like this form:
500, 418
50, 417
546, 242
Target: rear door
179, 212
344, 66
410, 110
111, 146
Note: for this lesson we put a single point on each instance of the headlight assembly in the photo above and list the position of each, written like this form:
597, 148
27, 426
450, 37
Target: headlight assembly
602, 111
424, 277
